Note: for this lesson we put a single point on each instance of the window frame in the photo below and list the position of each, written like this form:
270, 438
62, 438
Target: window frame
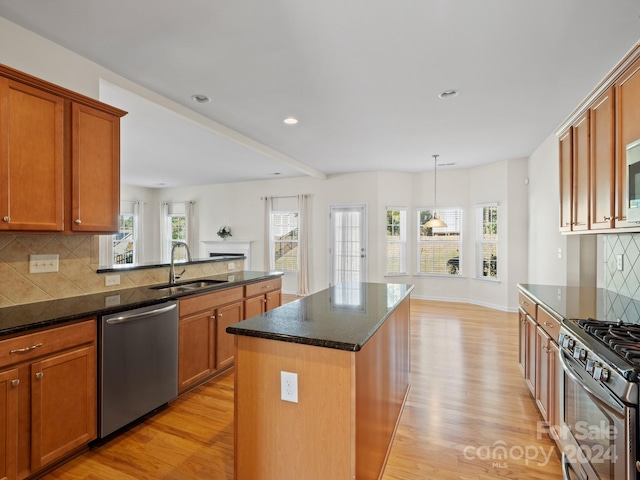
446, 214
402, 242
481, 242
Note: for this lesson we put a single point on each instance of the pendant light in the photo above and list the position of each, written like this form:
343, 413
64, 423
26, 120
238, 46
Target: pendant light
435, 222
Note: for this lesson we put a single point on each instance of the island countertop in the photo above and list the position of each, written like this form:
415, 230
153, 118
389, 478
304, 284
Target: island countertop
342, 317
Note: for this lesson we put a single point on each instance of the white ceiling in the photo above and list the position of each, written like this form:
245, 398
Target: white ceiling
362, 76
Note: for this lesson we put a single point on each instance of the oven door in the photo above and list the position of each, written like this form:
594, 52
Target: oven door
598, 430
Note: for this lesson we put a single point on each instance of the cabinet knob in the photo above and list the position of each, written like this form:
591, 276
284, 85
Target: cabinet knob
549, 324
7, 219
78, 221
39, 375
264, 300
15, 382
213, 317
219, 315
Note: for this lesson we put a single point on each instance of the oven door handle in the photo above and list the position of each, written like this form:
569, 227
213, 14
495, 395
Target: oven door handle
569, 370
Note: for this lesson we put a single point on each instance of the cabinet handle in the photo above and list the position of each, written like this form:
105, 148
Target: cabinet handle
7, 219
549, 324
608, 219
39, 375
78, 221
15, 382
25, 349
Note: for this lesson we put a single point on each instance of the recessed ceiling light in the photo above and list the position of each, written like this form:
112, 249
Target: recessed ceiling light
276, 173
290, 121
199, 98
448, 94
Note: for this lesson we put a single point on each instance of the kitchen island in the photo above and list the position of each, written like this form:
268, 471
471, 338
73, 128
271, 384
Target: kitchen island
349, 349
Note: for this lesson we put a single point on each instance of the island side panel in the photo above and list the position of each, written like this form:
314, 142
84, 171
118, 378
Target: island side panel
382, 382
312, 439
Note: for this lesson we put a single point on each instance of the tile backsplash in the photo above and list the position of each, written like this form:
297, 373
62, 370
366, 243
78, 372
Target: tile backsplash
626, 281
76, 275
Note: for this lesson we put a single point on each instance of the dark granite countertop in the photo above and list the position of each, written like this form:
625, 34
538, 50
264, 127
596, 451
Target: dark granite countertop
584, 302
343, 317
21, 318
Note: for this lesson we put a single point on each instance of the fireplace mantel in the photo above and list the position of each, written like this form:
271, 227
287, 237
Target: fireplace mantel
230, 246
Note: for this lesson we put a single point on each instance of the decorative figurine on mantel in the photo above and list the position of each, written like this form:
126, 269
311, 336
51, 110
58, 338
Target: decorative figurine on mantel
224, 232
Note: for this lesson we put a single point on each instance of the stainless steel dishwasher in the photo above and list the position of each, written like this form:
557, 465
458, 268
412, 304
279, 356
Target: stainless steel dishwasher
138, 363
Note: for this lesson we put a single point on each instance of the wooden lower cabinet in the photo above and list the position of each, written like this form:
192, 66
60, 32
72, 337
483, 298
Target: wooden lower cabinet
262, 296
531, 354
48, 397
8, 423
204, 347
542, 392
63, 404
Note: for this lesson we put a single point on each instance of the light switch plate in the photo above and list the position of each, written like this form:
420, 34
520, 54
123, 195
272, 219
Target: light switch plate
43, 263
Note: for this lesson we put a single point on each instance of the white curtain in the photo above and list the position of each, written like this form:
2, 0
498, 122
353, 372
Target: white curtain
303, 245
165, 232
268, 243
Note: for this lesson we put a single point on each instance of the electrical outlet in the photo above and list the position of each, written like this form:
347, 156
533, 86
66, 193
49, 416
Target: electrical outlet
112, 300
231, 278
620, 262
111, 280
231, 266
289, 387
43, 263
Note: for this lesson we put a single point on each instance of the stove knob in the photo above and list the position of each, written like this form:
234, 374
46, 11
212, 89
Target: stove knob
605, 375
589, 366
597, 371
571, 344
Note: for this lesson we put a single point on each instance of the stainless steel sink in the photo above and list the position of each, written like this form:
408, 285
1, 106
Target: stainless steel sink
187, 286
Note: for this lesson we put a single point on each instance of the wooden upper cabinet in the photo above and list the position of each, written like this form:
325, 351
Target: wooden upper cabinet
627, 131
580, 174
31, 158
602, 160
566, 183
95, 170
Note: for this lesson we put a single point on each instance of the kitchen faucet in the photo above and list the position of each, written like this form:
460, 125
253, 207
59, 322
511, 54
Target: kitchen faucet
173, 276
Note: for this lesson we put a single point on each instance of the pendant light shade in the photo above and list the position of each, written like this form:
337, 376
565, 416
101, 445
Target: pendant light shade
435, 222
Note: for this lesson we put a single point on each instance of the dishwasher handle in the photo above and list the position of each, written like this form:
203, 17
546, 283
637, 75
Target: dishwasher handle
136, 316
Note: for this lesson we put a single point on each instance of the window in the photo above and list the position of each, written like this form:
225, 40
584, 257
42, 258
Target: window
123, 248
439, 248
124, 240
487, 241
284, 230
396, 241
175, 228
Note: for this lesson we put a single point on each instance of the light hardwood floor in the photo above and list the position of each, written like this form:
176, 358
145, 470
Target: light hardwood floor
467, 400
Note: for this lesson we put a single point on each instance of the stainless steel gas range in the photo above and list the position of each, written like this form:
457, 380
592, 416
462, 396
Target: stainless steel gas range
599, 391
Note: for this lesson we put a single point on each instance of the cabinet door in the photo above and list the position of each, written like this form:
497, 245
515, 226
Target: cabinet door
542, 394
254, 306
63, 404
566, 184
522, 340
95, 170
274, 299
196, 348
31, 158
602, 161
225, 345
580, 174
628, 130
8, 424
555, 371
530, 361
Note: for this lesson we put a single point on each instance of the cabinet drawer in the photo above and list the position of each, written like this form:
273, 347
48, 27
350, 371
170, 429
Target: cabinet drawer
550, 324
208, 301
527, 304
265, 286
34, 345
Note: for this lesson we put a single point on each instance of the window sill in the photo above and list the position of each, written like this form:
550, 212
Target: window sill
396, 274
487, 279
438, 275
